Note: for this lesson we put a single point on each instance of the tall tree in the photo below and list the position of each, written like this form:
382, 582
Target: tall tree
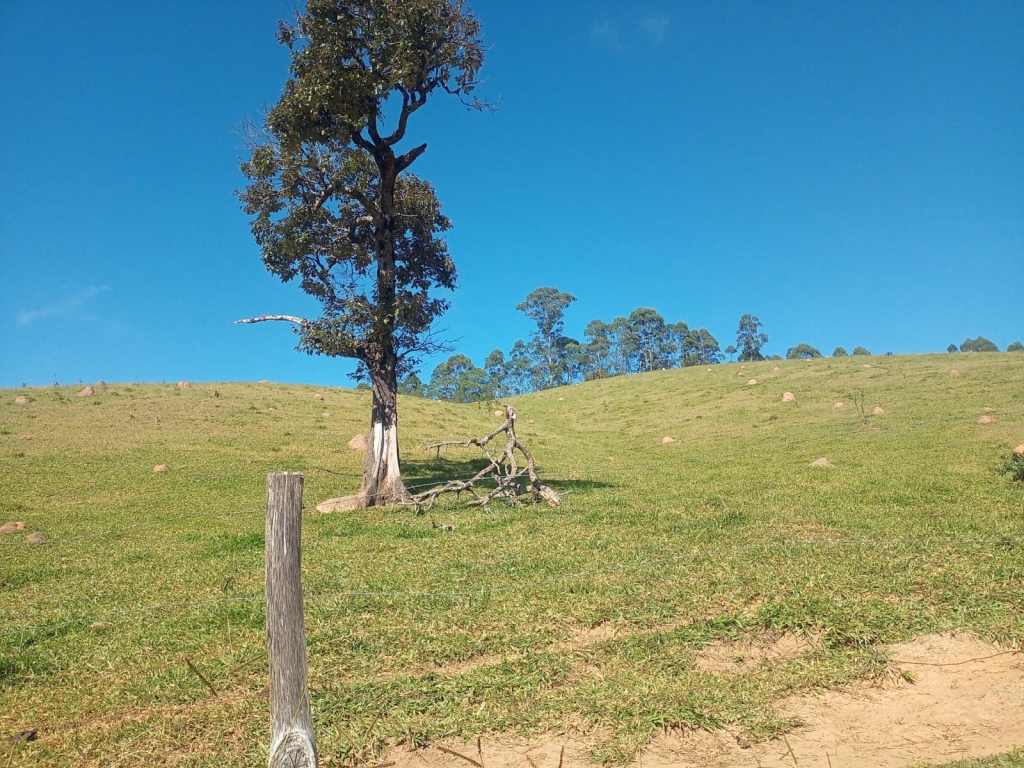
700, 348
651, 340
458, 380
546, 307
333, 202
749, 338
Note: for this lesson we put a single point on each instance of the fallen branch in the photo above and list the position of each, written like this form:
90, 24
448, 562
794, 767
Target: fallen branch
504, 470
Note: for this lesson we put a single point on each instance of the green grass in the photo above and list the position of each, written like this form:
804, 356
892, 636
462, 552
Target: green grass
419, 633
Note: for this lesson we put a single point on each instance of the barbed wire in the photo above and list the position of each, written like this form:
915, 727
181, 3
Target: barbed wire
692, 553
584, 471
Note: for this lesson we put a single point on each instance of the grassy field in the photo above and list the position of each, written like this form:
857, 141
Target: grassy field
588, 617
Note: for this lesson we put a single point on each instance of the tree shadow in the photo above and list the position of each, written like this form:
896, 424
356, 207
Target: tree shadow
425, 473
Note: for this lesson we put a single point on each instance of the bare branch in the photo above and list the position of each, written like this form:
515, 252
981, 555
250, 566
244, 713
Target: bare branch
503, 471
264, 318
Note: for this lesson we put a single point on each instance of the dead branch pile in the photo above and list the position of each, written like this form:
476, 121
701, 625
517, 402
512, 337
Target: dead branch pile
503, 470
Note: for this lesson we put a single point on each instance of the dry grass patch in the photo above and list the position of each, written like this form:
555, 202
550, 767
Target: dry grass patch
724, 657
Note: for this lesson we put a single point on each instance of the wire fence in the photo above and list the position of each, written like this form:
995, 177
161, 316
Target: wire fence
691, 554
128, 613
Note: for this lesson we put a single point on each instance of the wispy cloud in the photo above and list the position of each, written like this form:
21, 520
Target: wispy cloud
655, 27
64, 308
608, 34
650, 29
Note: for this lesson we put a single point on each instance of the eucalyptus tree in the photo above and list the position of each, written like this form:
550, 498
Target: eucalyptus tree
699, 347
546, 307
652, 345
750, 339
332, 200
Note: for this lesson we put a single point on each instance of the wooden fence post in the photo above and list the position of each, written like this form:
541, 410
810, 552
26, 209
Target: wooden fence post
292, 744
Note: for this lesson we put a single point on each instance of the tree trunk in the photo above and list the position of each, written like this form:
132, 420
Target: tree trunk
382, 473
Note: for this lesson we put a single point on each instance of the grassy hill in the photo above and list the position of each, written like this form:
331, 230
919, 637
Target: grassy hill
528, 619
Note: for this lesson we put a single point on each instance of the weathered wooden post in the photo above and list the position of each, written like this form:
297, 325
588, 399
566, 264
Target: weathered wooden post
292, 744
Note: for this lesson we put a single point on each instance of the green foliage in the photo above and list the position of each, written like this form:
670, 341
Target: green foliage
952, 348
860, 352
1015, 347
331, 202
699, 347
749, 339
980, 344
546, 307
804, 352
840, 352
411, 386
459, 381
1014, 466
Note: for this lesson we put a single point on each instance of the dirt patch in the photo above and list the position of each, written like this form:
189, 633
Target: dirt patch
730, 656
966, 701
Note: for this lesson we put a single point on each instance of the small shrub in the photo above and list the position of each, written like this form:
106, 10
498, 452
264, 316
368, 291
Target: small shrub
1015, 467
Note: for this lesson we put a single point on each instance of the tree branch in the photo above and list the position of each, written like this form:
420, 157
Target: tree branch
263, 318
503, 471
410, 157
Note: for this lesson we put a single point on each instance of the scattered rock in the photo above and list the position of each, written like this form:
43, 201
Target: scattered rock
1019, 450
878, 410
986, 419
752, 382
318, 397
788, 397
87, 391
100, 625
101, 383
822, 462
986, 409
666, 439
25, 437
161, 469
954, 372
36, 538
742, 367
867, 365
184, 385
342, 504
775, 369
358, 443
263, 381
499, 413
326, 414
840, 404
12, 527
21, 400
561, 398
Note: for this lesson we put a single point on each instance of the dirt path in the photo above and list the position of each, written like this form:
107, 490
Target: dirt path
967, 700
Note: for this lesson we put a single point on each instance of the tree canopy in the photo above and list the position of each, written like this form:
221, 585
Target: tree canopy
749, 338
803, 351
333, 203
980, 344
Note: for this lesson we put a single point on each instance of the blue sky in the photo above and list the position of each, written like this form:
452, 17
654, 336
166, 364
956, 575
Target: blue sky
852, 173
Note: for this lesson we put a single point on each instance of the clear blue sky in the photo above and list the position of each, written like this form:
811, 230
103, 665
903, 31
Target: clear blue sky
852, 173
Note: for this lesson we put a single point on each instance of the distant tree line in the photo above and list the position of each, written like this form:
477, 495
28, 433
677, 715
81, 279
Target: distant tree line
981, 344
639, 343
